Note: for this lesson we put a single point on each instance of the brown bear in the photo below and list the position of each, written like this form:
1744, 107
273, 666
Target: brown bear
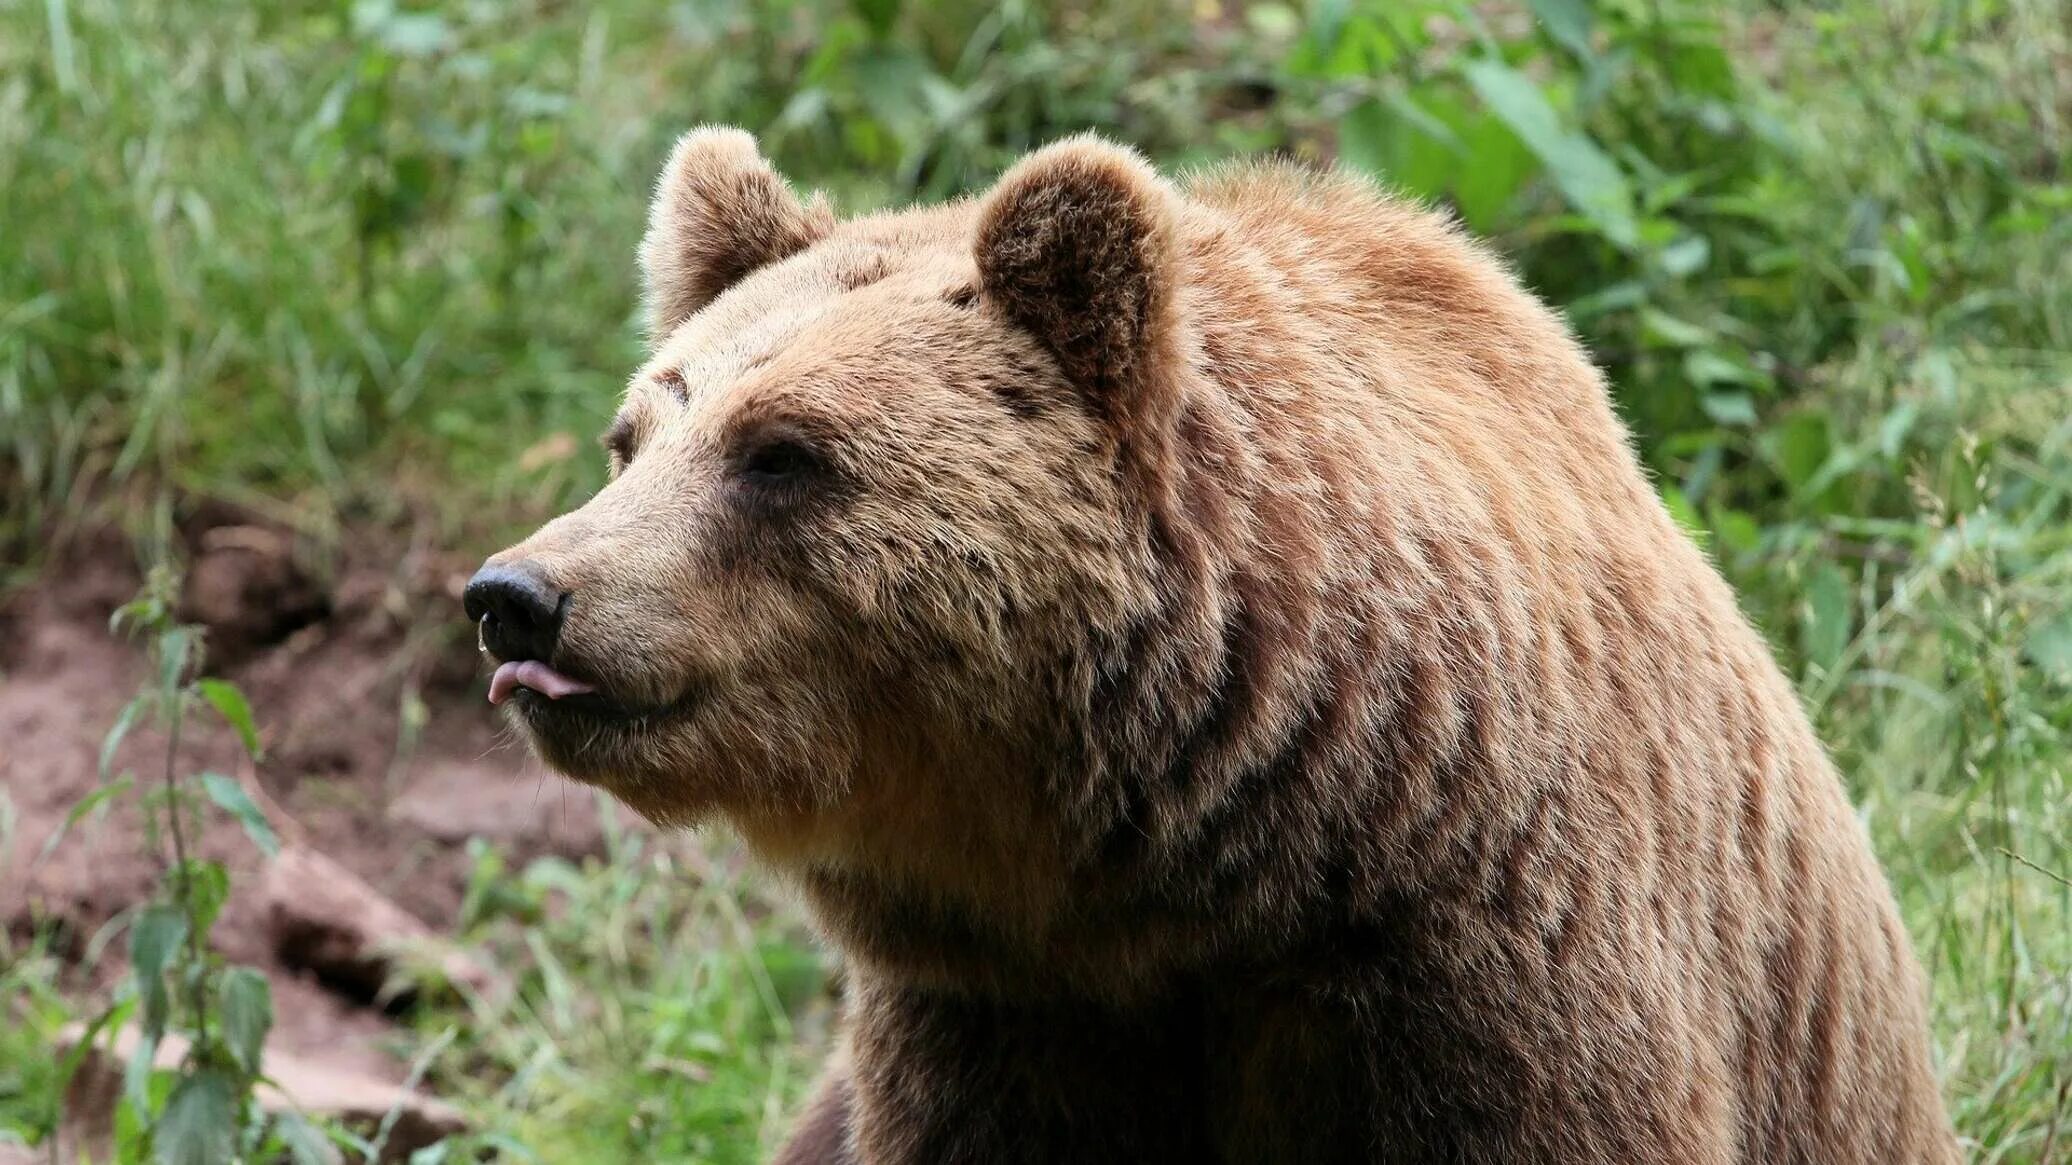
1209, 661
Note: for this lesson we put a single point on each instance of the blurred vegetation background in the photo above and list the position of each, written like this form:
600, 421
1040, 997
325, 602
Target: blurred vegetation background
370, 262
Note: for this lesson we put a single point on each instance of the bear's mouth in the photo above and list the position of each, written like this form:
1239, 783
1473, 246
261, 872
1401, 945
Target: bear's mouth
513, 676
552, 702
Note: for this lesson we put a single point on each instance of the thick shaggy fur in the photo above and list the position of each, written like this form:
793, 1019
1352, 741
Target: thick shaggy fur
1212, 665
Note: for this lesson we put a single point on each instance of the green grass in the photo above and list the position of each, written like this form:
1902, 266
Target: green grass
664, 1012
345, 264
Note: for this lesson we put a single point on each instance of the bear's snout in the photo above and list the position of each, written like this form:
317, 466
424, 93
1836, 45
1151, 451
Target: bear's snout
518, 610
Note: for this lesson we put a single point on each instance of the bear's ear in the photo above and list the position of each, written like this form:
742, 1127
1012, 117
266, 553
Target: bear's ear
720, 211
1076, 245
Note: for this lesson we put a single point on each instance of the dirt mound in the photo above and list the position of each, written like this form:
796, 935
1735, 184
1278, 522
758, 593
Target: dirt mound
380, 750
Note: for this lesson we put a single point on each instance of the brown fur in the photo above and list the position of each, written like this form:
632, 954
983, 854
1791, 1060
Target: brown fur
1222, 680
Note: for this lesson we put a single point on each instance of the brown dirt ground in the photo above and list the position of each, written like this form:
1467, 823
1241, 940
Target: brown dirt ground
379, 748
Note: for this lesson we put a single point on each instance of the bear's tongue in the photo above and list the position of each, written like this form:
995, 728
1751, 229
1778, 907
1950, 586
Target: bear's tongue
531, 673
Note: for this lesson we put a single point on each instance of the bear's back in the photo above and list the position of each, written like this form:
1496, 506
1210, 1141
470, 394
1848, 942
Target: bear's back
1430, 643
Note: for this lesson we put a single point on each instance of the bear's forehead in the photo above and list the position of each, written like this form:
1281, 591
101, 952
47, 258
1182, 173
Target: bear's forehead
764, 314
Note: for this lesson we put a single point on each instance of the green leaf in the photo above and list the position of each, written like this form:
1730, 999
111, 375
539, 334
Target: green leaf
1684, 256
1492, 166
1729, 408
1568, 22
892, 85
1799, 447
230, 703
68, 1066
85, 805
199, 1126
1363, 138
1659, 327
1707, 368
124, 721
136, 1075
2050, 645
232, 799
1589, 180
306, 1143
1679, 506
154, 937
1737, 530
1824, 631
878, 15
247, 1008
1413, 148
175, 646
206, 885
1701, 65
1893, 430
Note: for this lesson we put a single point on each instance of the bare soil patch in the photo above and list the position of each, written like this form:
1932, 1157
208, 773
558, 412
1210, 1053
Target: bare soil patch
381, 753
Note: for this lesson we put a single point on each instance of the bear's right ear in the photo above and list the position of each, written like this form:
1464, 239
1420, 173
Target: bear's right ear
720, 211
1076, 244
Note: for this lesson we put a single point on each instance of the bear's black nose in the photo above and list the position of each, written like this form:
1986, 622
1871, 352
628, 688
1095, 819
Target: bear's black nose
520, 615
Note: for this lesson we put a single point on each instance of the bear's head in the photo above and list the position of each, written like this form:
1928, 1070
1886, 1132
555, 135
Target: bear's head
878, 489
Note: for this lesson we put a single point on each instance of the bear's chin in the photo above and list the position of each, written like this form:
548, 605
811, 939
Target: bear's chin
596, 742
654, 761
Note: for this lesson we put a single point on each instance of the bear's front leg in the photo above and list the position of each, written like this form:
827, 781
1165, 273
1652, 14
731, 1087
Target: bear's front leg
944, 1078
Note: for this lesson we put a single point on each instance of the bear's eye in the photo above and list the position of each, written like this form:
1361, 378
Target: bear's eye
776, 462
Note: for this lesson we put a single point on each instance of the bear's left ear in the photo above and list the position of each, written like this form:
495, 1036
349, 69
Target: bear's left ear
720, 211
1076, 244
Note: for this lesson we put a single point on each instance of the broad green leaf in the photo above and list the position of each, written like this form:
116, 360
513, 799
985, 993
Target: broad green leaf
1492, 166
891, 83
1704, 366
1417, 117
1825, 626
1402, 144
230, 703
1737, 530
124, 721
1664, 329
306, 1143
1568, 22
1799, 447
1363, 138
199, 1125
175, 647
136, 1075
1729, 408
232, 799
1327, 20
246, 1003
1588, 178
154, 937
